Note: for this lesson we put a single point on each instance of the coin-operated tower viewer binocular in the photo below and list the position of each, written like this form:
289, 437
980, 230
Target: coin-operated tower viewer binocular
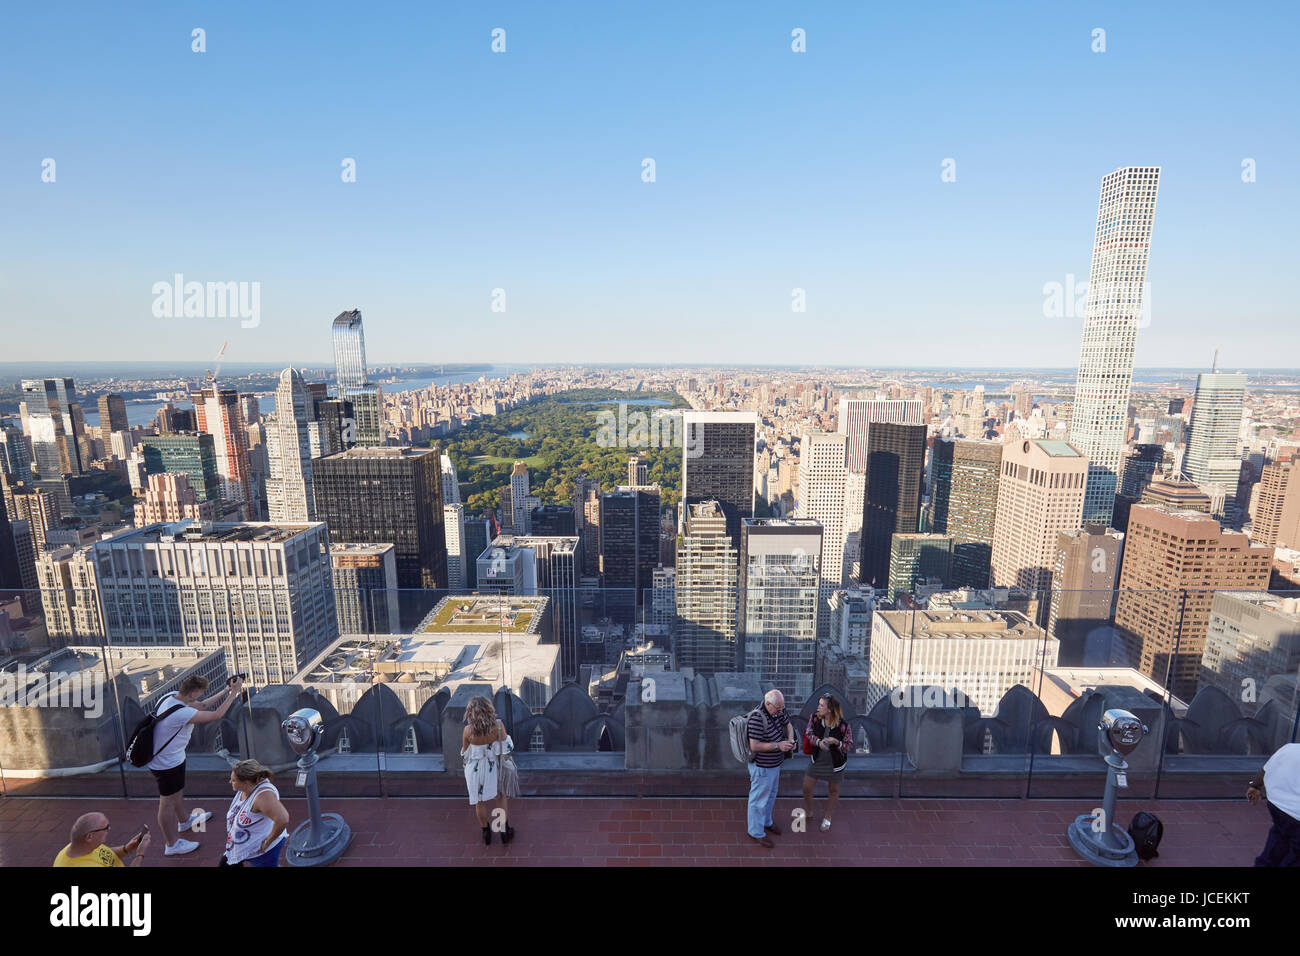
1094, 836
323, 837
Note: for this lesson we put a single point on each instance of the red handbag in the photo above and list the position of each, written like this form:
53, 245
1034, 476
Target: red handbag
807, 744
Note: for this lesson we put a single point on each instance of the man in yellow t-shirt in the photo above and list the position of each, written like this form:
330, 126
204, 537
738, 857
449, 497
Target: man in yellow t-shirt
86, 846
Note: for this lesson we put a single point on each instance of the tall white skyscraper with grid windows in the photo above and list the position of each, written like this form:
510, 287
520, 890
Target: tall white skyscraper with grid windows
823, 483
1116, 289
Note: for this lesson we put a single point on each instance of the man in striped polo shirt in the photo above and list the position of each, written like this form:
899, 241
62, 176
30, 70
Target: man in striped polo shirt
771, 737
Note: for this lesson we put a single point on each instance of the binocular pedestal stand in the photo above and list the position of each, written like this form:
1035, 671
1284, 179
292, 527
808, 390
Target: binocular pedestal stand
1097, 838
324, 836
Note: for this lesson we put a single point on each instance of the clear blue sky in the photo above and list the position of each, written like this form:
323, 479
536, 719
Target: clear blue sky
522, 171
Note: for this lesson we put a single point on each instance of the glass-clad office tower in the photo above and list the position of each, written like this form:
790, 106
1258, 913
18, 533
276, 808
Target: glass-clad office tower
349, 350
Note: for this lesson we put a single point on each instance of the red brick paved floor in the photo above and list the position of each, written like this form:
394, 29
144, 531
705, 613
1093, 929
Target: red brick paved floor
603, 832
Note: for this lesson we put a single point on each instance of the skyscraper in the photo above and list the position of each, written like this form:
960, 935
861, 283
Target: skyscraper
1142, 465
1277, 510
450, 482
1084, 576
851, 613
823, 482
367, 403
892, 503
170, 498
453, 523
460, 560
1213, 458
11, 578
15, 459
1040, 494
519, 517
39, 507
554, 520
638, 470
389, 495
27, 551
1176, 493
586, 514
193, 455
1174, 561
56, 427
857, 415
855, 496
629, 545
916, 558
478, 532
334, 416
353, 383
171, 419
718, 464
705, 585
289, 494
779, 583
365, 587
70, 596
1113, 314
261, 591
964, 503
112, 414
663, 598
349, 351
218, 413
538, 565
251, 408
1250, 638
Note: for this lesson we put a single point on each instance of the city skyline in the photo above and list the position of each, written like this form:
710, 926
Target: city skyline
775, 192
605, 413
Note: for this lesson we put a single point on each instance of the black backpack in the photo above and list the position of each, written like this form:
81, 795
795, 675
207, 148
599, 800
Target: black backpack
141, 749
1146, 831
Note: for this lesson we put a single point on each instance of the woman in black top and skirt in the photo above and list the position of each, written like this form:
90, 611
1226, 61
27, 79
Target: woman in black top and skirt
830, 742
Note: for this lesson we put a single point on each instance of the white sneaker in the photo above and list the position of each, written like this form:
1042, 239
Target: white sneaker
179, 847
197, 817
826, 824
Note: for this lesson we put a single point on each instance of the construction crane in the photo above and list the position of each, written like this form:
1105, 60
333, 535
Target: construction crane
210, 376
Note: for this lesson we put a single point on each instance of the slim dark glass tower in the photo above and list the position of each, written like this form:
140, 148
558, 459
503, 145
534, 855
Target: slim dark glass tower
393, 495
892, 503
964, 504
629, 543
718, 464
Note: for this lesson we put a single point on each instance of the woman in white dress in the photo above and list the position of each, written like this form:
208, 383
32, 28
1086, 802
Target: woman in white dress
482, 747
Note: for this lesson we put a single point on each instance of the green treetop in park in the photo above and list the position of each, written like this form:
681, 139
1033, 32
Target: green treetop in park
564, 438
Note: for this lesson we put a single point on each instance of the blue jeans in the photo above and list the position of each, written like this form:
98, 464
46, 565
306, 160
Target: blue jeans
1282, 847
763, 783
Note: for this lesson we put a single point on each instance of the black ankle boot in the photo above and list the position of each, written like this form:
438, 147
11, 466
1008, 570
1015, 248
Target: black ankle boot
487, 836
508, 835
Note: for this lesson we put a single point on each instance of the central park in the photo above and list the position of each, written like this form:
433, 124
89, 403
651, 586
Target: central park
562, 436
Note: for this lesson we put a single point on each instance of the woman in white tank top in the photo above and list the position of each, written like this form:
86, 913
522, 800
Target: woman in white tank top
256, 820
